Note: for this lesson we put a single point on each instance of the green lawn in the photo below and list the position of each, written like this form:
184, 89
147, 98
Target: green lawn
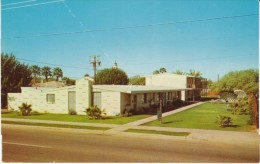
204, 117
76, 118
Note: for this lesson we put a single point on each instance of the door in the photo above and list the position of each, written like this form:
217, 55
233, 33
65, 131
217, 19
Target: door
72, 101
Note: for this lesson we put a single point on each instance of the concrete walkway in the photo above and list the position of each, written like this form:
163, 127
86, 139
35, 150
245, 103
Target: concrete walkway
133, 125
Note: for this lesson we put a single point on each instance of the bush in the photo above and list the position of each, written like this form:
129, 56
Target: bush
241, 106
25, 109
177, 102
224, 121
94, 113
128, 112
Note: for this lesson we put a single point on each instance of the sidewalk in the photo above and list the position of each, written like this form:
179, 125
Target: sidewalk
195, 134
134, 124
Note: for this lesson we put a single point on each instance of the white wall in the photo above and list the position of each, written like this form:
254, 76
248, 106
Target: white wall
37, 98
111, 102
170, 80
83, 95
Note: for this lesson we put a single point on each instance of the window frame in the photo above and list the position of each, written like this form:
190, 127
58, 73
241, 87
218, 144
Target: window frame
50, 98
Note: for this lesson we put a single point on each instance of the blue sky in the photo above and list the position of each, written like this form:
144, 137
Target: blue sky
175, 39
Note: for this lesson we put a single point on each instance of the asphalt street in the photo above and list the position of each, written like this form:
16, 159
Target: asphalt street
42, 144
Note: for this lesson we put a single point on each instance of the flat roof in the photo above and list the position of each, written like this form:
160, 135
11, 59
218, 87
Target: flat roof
135, 88
169, 74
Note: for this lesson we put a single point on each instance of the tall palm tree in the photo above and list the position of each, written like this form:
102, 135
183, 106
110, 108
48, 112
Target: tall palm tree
46, 72
57, 72
36, 71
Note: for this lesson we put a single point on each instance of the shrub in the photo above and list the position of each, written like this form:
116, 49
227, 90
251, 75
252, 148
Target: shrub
177, 102
241, 106
128, 112
94, 112
224, 121
25, 109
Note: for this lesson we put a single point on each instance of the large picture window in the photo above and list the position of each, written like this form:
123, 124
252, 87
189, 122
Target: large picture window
50, 98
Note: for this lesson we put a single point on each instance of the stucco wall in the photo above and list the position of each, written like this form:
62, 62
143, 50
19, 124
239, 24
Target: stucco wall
83, 95
111, 102
178, 81
37, 97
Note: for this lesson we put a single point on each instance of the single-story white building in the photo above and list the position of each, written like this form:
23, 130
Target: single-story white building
114, 99
54, 99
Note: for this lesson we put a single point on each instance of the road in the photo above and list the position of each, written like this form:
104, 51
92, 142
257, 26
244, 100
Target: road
41, 144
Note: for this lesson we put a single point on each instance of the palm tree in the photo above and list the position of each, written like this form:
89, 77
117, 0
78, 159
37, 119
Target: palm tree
179, 72
161, 70
57, 72
36, 71
46, 72
195, 73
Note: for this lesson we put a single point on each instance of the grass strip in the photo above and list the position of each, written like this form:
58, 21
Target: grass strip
158, 132
56, 125
76, 118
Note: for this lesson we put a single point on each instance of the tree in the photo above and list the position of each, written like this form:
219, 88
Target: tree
161, 70
111, 76
57, 72
46, 72
137, 80
36, 71
246, 80
194, 73
156, 72
69, 81
179, 72
14, 75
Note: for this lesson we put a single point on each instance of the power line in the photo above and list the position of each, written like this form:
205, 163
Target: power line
37, 4
160, 62
9, 4
58, 65
130, 27
85, 28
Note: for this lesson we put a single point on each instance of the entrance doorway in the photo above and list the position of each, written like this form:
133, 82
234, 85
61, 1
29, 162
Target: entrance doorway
72, 101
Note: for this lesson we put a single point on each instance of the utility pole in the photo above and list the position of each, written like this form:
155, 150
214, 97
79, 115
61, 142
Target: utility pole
95, 62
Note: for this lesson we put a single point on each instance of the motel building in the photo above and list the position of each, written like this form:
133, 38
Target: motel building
114, 99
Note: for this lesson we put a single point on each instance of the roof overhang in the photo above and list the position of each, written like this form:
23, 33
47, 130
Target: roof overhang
135, 89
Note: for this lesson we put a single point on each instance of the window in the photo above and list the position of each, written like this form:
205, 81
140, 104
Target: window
96, 99
50, 98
